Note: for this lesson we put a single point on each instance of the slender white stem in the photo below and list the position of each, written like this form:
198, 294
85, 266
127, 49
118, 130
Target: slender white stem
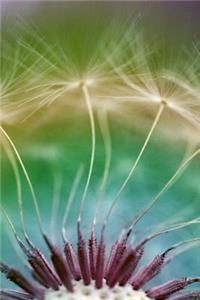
156, 120
73, 190
166, 187
103, 123
27, 178
185, 245
92, 126
55, 203
8, 220
18, 183
171, 228
15, 237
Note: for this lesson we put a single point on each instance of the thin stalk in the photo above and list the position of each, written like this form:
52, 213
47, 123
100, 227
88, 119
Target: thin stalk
88, 101
156, 120
103, 123
165, 188
18, 184
27, 179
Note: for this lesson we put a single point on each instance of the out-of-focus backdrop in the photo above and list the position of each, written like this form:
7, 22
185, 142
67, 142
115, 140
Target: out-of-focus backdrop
46, 43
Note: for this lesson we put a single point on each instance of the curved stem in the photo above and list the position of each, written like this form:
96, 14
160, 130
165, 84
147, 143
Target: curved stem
156, 120
103, 123
18, 185
27, 178
165, 188
93, 136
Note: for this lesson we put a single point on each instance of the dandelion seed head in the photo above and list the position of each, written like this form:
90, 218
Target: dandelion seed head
83, 292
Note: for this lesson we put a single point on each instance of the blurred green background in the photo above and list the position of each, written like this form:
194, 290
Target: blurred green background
52, 148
